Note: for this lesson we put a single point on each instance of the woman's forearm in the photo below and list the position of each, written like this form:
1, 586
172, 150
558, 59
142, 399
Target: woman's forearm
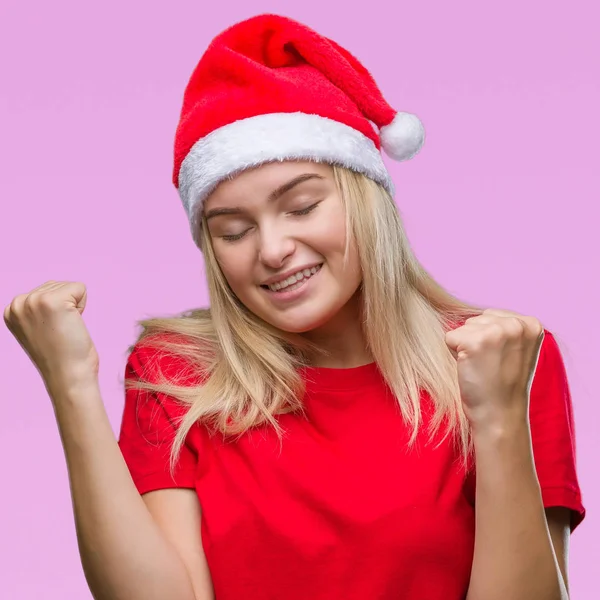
123, 552
514, 557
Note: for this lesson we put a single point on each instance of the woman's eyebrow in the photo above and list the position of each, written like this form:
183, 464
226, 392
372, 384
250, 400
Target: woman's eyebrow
274, 195
216, 212
286, 187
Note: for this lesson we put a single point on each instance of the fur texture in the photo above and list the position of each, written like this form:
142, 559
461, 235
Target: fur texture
403, 137
273, 137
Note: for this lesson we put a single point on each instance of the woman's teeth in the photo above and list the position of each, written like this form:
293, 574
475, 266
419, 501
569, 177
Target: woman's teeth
294, 281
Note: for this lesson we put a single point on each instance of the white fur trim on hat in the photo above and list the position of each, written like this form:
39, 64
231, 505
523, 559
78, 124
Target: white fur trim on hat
273, 137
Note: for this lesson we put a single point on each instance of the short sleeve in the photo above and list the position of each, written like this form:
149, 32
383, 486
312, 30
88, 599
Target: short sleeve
553, 432
146, 435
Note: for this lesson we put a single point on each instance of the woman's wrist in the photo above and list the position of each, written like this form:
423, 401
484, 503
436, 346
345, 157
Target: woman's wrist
512, 422
70, 396
503, 448
68, 387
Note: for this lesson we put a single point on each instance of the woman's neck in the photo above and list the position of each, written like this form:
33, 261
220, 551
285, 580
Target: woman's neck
342, 339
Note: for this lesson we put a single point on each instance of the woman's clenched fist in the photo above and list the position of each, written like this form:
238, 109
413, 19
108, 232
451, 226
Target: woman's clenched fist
48, 324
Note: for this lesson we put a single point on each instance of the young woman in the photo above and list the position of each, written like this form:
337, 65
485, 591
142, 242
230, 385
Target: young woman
335, 425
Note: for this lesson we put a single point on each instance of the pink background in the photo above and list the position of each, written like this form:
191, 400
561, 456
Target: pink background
501, 205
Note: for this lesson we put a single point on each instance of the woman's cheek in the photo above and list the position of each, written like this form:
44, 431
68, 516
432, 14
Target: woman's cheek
327, 230
233, 269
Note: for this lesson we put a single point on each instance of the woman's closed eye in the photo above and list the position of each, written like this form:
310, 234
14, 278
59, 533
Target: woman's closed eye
305, 211
299, 213
234, 237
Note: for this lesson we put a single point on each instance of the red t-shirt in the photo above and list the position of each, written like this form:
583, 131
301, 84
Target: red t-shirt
341, 508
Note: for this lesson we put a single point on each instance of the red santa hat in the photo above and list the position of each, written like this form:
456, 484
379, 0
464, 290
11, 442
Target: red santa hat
271, 89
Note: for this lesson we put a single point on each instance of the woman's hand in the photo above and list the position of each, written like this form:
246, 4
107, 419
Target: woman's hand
496, 354
47, 322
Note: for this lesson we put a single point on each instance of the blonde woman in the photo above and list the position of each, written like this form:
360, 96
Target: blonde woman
336, 425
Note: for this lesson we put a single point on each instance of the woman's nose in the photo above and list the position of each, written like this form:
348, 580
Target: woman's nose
275, 248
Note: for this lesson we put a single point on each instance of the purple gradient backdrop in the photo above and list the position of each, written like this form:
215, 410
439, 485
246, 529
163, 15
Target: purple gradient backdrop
501, 205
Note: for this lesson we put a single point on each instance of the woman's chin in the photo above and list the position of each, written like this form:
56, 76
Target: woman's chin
299, 327
300, 322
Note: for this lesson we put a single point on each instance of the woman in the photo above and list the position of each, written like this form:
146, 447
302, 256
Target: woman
336, 425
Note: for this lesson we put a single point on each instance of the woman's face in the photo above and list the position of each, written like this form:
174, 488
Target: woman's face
278, 233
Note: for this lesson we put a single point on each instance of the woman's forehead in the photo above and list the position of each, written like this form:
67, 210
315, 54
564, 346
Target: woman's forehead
263, 181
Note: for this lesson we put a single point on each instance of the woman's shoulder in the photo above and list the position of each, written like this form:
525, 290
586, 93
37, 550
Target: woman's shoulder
173, 347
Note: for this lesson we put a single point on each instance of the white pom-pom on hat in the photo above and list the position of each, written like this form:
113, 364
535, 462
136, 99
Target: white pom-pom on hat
403, 137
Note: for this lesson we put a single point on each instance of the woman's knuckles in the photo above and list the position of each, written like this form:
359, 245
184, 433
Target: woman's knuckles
48, 299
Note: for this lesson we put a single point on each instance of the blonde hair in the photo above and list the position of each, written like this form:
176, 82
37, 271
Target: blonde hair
243, 372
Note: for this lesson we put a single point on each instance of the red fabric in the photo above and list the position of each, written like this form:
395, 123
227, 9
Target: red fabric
341, 509
272, 64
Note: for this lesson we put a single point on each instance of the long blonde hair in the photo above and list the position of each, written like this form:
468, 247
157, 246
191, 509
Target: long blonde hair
243, 372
